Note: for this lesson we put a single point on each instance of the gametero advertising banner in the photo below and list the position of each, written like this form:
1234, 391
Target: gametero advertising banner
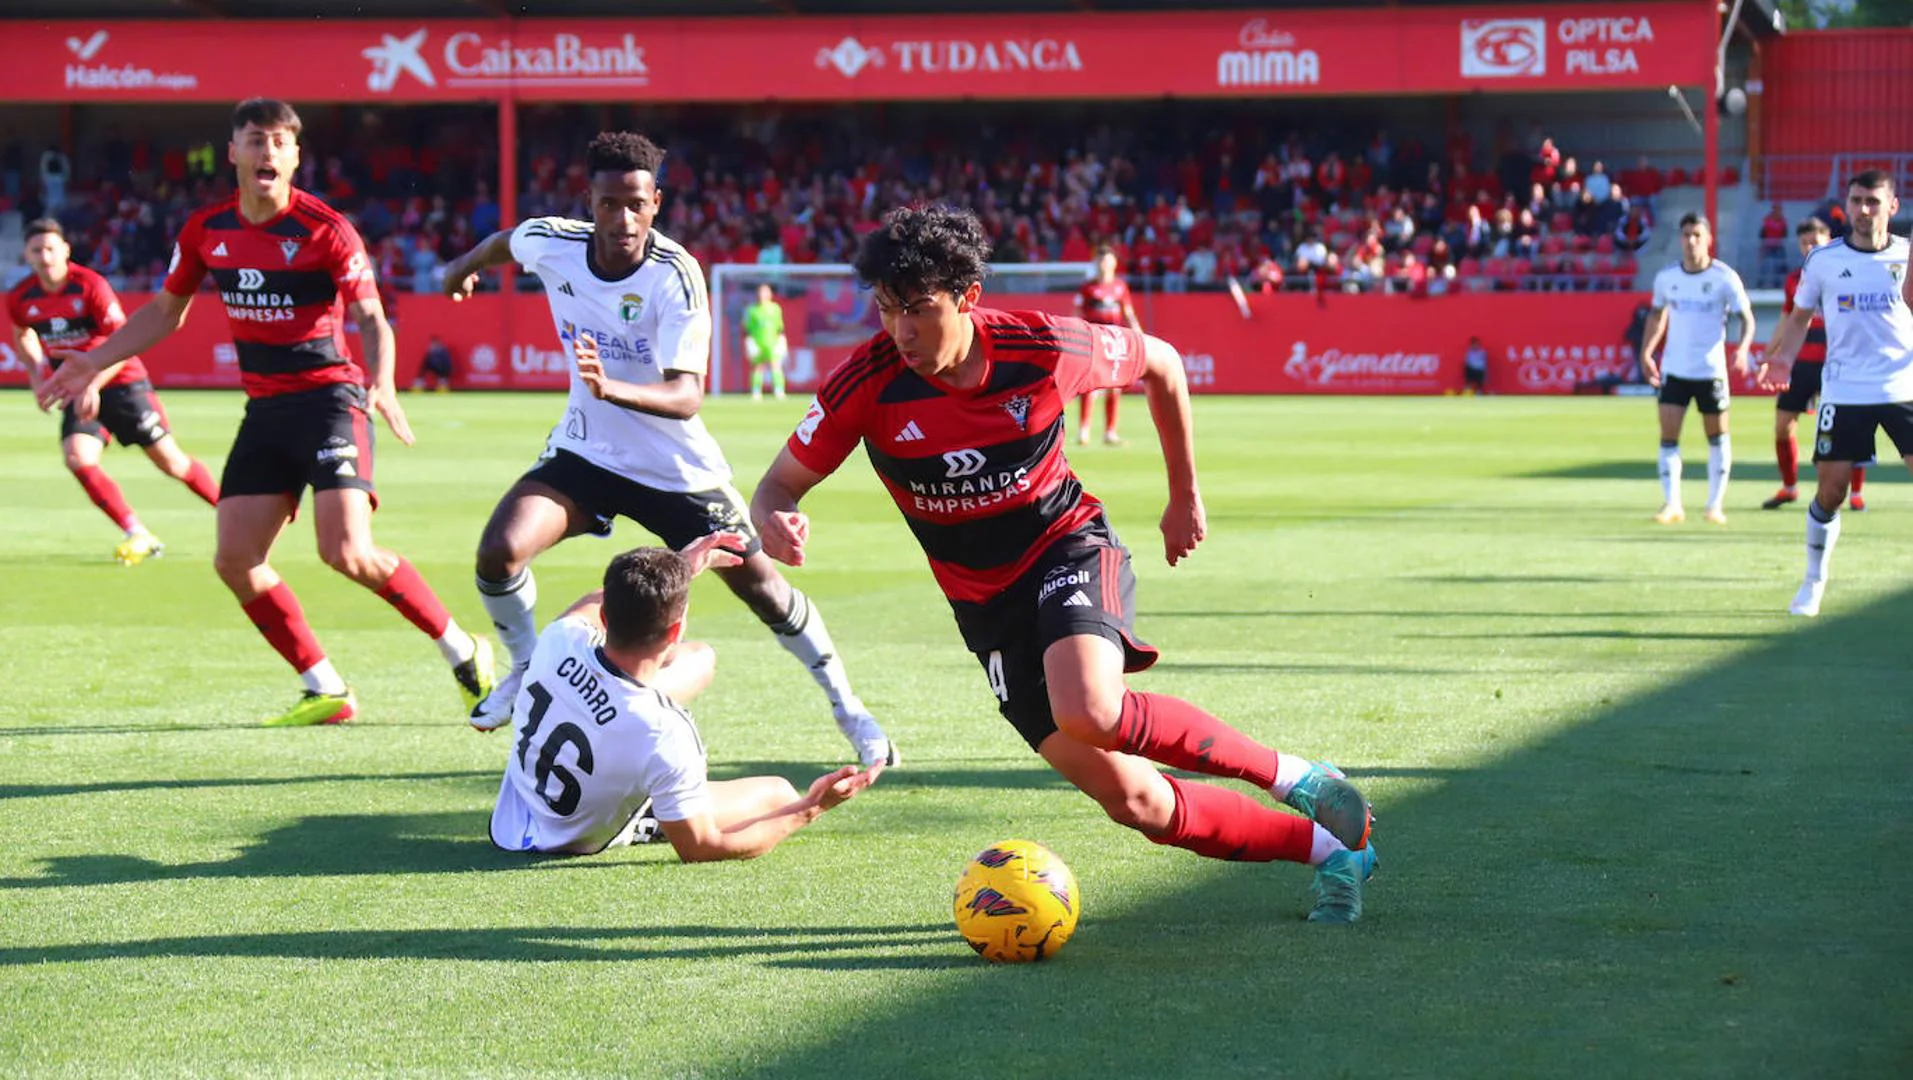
1332, 51
1293, 343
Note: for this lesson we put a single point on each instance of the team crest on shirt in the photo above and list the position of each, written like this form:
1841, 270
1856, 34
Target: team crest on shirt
79, 305
1019, 409
290, 249
630, 306
1898, 272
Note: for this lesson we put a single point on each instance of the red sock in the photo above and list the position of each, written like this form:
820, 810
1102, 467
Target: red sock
1110, 400
200, 480
1787, 452
1859, 479
1172, 732
407, 591
277, 614
1217, 823
1082, 411
105, 494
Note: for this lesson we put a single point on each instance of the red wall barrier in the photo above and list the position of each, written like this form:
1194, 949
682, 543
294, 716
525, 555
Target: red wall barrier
1538, 343
1331, 51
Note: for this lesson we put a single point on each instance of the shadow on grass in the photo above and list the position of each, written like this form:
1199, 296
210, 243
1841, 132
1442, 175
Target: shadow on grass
1708, 880
532, 944
1746, 470
40, 791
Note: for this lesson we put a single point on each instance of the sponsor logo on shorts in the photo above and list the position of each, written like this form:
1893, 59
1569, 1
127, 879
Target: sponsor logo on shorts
1077, 599
1062, 577
1823, 445
338, 453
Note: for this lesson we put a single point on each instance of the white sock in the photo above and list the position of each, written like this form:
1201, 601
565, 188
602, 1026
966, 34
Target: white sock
1289, 771
1720, 462
803, 635
510, 603
134, 528
1821, 536
1322, 845
1671, 474
455, 645
321, 679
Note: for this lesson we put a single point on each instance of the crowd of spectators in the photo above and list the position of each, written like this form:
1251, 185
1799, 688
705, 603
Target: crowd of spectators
1188, 200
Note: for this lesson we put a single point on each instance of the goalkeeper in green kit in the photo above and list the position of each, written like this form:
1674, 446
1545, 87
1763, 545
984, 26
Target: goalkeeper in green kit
764, 344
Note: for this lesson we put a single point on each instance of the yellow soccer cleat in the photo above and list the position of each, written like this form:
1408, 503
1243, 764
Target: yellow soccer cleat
1715, 516
1670, 515
315, 708
138, 548
475, 676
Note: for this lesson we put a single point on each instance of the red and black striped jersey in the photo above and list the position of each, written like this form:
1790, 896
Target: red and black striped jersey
80, 315
285, 284
1101, 302
979, 474
1814, 348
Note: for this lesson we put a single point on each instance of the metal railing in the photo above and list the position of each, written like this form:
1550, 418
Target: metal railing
1801, 177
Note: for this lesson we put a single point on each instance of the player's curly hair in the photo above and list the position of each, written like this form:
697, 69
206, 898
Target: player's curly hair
924, 249
623, 152
645, 591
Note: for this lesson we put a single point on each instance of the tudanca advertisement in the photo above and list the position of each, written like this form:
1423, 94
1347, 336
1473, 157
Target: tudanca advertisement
1330, 50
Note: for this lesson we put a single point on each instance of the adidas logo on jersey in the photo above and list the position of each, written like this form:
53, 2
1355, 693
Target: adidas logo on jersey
1846, 273
910, 433
566, 289
219, 252
1077, 599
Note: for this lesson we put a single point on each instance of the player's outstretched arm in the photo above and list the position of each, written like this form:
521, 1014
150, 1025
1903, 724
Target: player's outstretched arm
157, 320
1776, 366
26, 345
781, 527
380, 352
1184, 522
461, 274
750, 817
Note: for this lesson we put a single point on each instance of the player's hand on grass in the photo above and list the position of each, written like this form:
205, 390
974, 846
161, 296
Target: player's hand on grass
385, 402
1184, 525
74, 376
836, 788
783, 534
718, 549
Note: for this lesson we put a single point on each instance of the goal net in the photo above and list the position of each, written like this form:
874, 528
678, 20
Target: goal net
827, 314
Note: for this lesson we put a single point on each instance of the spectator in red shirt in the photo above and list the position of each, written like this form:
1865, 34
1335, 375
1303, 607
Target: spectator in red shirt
1773, 246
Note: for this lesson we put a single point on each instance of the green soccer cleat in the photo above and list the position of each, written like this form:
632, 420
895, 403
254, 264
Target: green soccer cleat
1325, 797
475, 676
1338, 886
315, 708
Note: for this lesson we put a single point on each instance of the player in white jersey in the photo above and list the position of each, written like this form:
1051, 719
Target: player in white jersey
1692, 302
605, 747
630, 306
1859, 286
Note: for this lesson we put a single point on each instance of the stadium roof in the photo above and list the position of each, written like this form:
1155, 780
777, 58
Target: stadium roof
1758, 15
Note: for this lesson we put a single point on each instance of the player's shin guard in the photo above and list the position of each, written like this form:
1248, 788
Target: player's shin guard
282, 622
406, 591
1670, 461
802, 634
106, 495
199, 480
510, 604
1787, 454
1823, 531
1720, 465
1170, 731
1217, 823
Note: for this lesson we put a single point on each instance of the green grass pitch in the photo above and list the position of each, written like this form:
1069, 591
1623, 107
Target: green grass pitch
1635, 821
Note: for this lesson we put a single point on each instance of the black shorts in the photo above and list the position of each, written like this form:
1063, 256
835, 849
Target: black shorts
1708, 395
130, 415
319, 438
1081, 585
1845, 432
1803, 387
676, 517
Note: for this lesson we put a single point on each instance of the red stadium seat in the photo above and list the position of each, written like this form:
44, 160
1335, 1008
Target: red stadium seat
1677, 177
1729, 176
1604, 243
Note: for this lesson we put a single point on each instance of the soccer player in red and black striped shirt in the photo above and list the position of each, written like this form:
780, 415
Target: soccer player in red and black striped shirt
287, 266
63, 306
962, 410
1105, 301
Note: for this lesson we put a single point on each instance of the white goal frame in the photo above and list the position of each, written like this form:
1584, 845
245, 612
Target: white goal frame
725, 274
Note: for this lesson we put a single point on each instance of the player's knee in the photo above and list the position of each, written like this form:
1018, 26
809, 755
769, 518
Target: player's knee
1087, 717
356, 561
1143, 808
235, 568
498, 559
75, 461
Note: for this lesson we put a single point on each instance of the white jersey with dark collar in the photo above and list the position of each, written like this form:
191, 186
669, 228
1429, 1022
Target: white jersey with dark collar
654, 319
1861, 294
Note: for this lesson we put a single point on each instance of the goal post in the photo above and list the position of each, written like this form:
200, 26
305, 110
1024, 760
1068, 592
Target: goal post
827, 313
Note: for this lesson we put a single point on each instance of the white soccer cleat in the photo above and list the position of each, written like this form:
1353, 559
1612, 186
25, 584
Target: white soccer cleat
1671, 514
865, 734
495, 711
1715, 516
1807, 600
